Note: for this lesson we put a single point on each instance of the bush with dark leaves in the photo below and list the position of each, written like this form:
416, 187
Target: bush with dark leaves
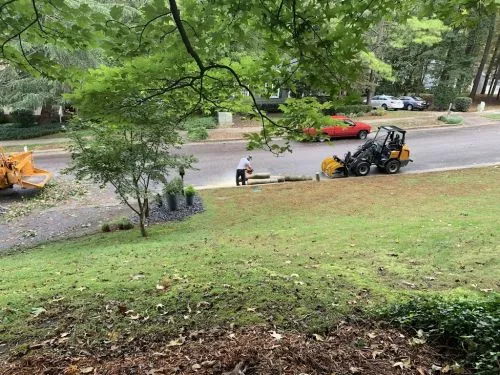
470, 327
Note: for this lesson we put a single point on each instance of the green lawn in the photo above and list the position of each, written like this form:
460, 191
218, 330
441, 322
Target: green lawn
295, 255
492, 116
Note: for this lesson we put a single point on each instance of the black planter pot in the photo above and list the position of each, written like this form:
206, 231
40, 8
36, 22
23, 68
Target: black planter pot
189, 199
172, 202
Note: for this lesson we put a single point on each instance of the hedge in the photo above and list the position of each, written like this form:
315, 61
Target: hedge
452, 120
197, 134
355, 108
16, 131
443, 96
23, 117
197, 122
462, 103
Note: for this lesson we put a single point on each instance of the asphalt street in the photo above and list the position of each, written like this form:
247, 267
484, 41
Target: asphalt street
432, 149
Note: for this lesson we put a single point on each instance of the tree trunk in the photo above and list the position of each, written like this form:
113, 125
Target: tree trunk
142, 216
494, 81
142, 226
486, 53
371, 89
490, 66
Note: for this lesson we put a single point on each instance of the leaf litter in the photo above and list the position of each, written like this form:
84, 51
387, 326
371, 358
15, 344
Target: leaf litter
247, 351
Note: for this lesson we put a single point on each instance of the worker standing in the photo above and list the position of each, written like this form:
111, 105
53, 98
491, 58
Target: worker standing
243, 166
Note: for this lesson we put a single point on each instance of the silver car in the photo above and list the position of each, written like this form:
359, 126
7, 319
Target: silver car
387, 102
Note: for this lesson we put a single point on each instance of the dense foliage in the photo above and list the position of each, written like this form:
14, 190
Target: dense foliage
24, 118
15, 131
466, 326
451, 119
462, 104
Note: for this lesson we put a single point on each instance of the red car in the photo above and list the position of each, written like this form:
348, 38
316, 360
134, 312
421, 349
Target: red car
350, 129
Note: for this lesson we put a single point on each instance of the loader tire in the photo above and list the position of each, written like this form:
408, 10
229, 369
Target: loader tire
392, 166
362, 169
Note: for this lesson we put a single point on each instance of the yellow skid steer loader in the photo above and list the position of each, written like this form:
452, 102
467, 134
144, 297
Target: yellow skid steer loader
19, 169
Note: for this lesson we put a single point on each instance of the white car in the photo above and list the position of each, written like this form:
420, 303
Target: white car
387, 102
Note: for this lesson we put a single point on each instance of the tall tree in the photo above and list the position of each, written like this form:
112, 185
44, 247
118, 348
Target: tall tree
491, 66
486, 52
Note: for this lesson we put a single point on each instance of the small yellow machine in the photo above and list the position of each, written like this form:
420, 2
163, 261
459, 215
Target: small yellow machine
388, 151
19, 169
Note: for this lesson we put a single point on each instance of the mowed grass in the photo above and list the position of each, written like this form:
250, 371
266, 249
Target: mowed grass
295, 255
492, 116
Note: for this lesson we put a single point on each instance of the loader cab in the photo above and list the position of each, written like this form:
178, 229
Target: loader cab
390, 137
393, 151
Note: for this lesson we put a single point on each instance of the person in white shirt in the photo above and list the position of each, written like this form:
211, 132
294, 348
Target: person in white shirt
242, 167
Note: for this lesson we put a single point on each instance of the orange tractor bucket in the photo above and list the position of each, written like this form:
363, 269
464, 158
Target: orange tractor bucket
19, 169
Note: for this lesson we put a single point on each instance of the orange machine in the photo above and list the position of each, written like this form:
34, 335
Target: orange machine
19, 169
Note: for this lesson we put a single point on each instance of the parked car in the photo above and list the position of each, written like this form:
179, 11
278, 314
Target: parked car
413, 102
386, 102
350, 129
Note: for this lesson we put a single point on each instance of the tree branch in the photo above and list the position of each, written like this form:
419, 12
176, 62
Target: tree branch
37, 17
144, 27
182, 31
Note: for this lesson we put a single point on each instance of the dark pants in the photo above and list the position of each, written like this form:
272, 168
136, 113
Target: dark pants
240, 174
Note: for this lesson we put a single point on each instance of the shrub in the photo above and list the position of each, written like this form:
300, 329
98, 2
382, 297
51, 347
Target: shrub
173, 187
189, 190
15, 131
451, 120
353, 108
462, 103
2, 116
196, 122
469, 327
378, 112
443, 96
124, 223
197, 134
270, 107
429, 98
23, 117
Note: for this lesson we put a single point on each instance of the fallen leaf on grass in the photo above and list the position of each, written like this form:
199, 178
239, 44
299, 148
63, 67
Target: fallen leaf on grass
251, 309
138, 277
36, 311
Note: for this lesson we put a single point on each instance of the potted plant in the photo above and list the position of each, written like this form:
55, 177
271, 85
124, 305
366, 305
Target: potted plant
171, 190
189, 192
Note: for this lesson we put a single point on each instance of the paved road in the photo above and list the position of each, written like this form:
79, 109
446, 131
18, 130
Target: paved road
439, 148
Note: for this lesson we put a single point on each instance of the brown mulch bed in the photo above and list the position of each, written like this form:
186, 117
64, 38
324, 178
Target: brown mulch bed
349, 349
